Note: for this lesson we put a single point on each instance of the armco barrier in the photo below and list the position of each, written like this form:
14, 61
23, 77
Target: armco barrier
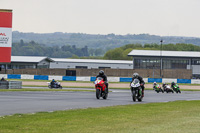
55, 77
195, 81
41, 77
4, 76
92, 78
125, 79
110, 79
82, 78
113, 79
4, 84
145, 80
151, 80
27, 76
184, 81
10, 84
15, 84
69, 78
14, 76
165, 80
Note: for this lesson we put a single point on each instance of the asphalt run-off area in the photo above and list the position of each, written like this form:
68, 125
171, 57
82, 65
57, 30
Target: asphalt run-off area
47, 101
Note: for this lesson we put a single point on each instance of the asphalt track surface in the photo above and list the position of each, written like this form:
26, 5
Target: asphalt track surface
22, 102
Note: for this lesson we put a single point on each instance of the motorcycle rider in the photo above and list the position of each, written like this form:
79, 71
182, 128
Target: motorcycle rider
154, 85
172, 85
2, 79
136, 76
53, 83
101, 74
164, 86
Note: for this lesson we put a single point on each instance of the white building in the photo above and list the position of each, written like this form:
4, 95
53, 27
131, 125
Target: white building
22, 62
156, 59
90, 63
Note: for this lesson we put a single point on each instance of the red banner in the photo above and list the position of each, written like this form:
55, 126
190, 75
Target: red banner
5, 35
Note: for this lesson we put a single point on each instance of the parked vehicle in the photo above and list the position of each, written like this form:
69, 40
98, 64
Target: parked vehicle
100, 88
167, 88
55, 85
176, 88
136, 90
158, 88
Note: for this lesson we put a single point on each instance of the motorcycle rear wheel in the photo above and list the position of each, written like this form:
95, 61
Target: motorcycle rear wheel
50, 87
105, 96
140, 99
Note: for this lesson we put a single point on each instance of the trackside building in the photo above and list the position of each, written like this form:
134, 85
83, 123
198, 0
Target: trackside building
155, 59
90, 63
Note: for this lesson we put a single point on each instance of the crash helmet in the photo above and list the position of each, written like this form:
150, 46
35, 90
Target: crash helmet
154, 83
135, 75
173, 83
101, 72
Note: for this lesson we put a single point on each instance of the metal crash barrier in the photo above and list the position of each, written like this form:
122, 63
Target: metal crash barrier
10, 84
4, 84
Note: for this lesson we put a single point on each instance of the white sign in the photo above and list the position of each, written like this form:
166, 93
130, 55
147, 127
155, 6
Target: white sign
5, 37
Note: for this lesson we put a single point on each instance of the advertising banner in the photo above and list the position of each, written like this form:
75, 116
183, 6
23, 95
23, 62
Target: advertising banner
5, 35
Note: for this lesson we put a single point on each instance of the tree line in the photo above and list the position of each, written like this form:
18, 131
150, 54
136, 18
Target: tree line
71, 51
122, 52
105, 42
66, 51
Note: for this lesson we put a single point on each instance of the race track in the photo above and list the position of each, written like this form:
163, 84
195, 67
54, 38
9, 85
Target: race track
32, 102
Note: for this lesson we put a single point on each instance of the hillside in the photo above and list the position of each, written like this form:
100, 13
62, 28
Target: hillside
94, 41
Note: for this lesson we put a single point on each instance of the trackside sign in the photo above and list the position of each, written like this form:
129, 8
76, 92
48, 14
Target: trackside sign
5, 35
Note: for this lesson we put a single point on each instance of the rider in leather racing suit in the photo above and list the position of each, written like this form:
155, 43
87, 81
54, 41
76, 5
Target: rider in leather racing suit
101, 74
136, 76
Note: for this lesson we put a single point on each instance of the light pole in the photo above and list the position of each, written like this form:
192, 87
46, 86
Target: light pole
161, 58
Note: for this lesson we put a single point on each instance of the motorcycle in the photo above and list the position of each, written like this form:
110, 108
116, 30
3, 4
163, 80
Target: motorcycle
158, 88
100, 88
167, 88
176, 88
55, 85
136, 90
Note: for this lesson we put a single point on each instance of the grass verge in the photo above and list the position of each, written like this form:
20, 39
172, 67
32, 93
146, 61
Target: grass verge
89, 82
109, 87
171, 117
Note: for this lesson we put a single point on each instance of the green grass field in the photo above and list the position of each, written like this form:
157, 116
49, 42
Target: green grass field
171, 117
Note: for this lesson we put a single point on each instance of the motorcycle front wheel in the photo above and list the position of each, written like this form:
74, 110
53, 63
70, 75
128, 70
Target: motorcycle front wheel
97, 93
134, 96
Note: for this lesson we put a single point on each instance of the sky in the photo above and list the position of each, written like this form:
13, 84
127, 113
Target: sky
121, 17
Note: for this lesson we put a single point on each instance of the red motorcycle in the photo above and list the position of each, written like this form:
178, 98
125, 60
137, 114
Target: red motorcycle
100, 88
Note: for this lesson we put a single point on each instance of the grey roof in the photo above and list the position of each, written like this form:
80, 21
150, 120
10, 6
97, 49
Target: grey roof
158, 53
93, 61
35, 59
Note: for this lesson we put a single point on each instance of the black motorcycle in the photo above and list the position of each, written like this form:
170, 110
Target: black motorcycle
54, 85
136, 90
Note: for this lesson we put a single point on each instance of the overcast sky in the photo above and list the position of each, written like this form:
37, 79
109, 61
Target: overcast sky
155, 17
